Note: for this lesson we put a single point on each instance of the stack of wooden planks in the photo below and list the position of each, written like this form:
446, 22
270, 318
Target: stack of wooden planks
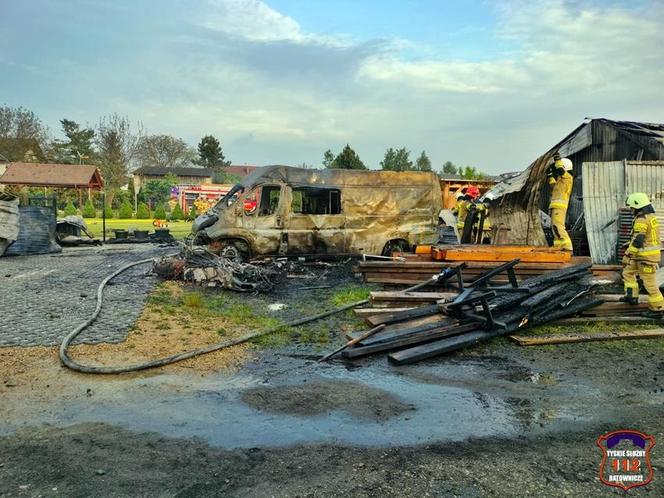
422, 325
417, 270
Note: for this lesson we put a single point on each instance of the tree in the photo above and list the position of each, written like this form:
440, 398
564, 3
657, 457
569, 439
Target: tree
210, 154
78, 147
70, 209
423, 163
126, 211
89, 210
164, 151
157, 192
449, 168
397, 160
116, 146
160, 212
328, 159
471, 173
177, 214
347, 159
23, 137
108, 211
142, 212
191, 216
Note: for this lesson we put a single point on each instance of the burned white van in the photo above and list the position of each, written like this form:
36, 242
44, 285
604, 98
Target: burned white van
294, 211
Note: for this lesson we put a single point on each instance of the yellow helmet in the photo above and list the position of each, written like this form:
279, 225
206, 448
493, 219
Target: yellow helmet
637, 200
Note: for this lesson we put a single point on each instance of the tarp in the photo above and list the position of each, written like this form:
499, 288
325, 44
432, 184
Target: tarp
8, 223
36, 233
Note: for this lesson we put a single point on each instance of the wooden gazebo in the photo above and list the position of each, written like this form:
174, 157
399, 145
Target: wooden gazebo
76, 176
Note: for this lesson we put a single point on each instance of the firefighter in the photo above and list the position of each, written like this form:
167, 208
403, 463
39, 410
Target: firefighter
642, 256
559, 175
461, 210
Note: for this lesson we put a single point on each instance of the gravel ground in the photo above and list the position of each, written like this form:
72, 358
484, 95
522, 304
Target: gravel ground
44, 297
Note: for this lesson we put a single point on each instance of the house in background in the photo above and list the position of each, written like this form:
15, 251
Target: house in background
194, 184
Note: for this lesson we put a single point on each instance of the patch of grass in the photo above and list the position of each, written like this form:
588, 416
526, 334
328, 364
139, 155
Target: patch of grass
160, 297
192, 300
279, 338
350, 295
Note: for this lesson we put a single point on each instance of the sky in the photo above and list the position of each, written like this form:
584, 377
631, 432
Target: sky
486, 83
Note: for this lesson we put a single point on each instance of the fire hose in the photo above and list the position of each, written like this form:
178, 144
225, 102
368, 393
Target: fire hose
97, 369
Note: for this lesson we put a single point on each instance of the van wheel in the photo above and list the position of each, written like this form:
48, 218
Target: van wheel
236, 251
397, 245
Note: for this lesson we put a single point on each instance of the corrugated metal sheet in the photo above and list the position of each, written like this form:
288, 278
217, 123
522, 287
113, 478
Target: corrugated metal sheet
605, 187
648, 177
603, 195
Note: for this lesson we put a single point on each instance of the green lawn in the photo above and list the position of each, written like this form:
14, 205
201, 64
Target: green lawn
179, 229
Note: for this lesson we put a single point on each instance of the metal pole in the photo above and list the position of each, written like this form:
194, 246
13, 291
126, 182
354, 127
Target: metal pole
103, 216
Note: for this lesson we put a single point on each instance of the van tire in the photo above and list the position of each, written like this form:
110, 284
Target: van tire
395, 245
235, 250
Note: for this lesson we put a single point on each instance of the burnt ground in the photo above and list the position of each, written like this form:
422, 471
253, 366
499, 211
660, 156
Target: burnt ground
494, 420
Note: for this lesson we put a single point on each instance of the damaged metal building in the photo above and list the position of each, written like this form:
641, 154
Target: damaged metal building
611, 159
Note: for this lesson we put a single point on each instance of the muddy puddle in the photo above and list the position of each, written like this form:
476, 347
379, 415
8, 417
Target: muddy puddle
305, 402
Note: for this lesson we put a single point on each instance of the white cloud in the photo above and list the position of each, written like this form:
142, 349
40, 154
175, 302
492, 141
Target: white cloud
250, 19
560, 46
456, 76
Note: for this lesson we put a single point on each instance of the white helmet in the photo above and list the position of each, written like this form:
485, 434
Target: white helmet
567, 164
459, 195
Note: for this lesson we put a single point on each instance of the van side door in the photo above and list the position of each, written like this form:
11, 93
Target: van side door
316, 223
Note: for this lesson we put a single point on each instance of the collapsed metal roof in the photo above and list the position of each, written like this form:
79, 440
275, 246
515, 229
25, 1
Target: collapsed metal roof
518, 200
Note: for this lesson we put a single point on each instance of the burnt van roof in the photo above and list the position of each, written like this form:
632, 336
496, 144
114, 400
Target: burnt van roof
337, 177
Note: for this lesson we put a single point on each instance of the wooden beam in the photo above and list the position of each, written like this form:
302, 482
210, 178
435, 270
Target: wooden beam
572, 338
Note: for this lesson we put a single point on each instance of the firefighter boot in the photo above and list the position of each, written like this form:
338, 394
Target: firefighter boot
629, 298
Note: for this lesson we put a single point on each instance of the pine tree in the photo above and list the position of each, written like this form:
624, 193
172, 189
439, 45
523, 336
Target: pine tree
89, 210
142, 212
70, 209
423, 163
210, 154
126, 211
160, 212
177, 214
347, 159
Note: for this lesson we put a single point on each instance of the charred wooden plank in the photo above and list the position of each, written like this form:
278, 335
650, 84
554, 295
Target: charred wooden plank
427, 336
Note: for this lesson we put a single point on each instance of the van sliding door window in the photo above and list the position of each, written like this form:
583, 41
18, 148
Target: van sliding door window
312, 200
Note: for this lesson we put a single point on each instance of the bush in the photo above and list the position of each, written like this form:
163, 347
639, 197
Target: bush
108, 211
160, 212
177, 214
89, 210
143, 212
125, 210
70, 209
191, 216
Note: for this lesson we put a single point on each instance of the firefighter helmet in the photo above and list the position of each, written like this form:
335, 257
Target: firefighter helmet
473, 192
637, 200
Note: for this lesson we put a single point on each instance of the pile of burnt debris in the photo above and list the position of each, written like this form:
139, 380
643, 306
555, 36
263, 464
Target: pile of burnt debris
198, 265
474, 313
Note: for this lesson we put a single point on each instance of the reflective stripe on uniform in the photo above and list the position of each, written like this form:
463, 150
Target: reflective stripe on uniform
645, 251
558, 203
640, 227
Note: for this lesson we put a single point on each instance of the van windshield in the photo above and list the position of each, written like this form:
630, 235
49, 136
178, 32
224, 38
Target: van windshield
230, 198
